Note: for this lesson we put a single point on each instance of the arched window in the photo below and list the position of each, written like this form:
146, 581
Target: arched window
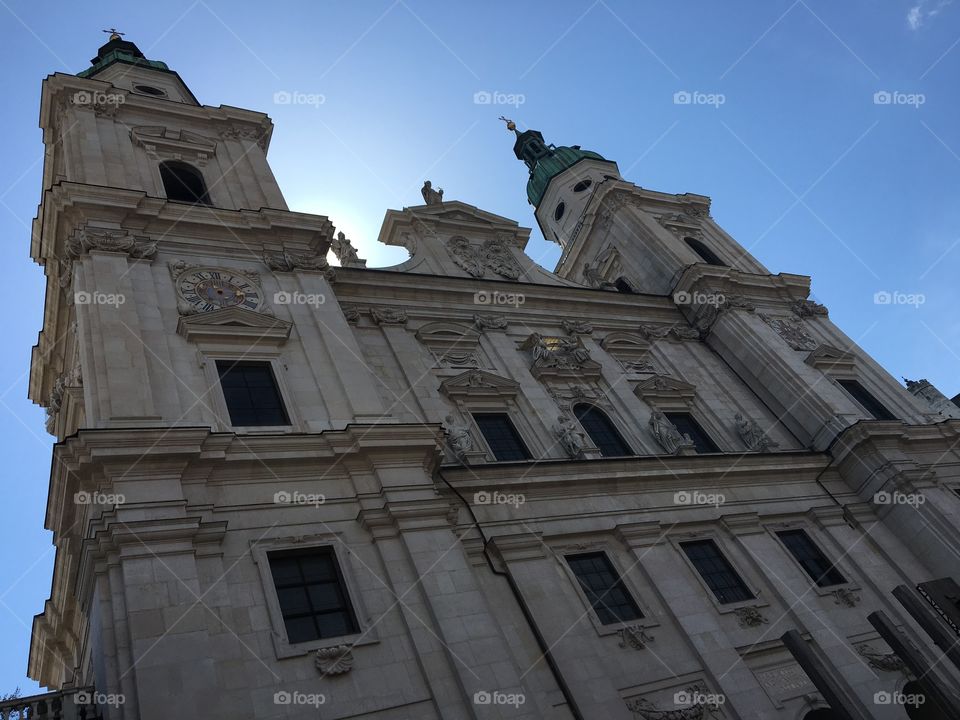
705, 253
183, 182
601, 431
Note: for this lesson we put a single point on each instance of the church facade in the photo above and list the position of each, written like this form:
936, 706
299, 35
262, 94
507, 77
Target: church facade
464, 486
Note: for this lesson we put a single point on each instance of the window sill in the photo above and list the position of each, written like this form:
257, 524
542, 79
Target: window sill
286, 650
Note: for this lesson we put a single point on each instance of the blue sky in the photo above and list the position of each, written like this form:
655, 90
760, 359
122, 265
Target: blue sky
806, 165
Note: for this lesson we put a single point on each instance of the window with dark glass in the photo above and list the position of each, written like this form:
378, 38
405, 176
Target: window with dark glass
873, 406
601, 431
705, 253
809, 556
183, 182
251, 394
604, 589
716, 571
312, 594
686, 425
502, 438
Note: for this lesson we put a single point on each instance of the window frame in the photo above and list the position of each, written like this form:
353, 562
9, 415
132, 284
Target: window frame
693, 418
219, 401
473, 412
205, 201
840, 380
647, 621
613, 426
816, 546
366, 633
698, 246
842, 567
619, 581
748, 579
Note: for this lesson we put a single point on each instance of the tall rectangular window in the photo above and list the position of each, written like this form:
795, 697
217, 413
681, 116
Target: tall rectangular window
716, 571
821, 570
685, 423
251, 393
312, 594
501, 436
604, 589
869, 403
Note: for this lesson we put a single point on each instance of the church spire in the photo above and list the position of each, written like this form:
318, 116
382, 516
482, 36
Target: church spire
116, 49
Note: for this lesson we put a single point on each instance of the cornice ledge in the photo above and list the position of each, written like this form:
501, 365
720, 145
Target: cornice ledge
739, 524
869, 435
781, 289
641, 535
522, 546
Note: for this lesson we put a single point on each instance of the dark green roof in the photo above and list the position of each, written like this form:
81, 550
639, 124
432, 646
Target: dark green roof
552, 165
119, 50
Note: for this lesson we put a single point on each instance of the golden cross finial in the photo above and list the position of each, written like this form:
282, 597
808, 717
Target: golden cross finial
511, 125
114, 33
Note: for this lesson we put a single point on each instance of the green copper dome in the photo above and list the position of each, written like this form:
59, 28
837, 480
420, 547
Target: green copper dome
546, 161
119, 50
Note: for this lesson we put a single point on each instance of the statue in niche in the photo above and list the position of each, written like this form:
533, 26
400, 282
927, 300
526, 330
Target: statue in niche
667, 434
570, 435
593, 277
753, 435
458, 437
431, 196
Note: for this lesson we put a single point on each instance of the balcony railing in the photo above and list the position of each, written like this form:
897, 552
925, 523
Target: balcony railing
73, 704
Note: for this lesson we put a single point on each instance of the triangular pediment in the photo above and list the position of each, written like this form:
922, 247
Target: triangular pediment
450, 218
664, 386
237, 323
828, 357
479, 383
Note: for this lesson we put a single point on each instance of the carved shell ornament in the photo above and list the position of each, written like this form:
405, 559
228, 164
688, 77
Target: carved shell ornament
335, 660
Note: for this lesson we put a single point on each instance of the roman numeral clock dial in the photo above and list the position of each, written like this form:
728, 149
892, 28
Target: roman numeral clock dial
207, 289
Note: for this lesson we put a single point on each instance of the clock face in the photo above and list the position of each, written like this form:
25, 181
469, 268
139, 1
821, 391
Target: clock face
209, 289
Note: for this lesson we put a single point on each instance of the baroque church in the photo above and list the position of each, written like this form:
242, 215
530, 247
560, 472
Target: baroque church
656, 482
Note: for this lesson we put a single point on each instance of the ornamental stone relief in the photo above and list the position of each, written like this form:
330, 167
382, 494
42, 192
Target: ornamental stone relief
753, 435
888, 662
289, 262
490, 322
335, 660
107, 240
793, 332
750, 617
493, 255
634, 637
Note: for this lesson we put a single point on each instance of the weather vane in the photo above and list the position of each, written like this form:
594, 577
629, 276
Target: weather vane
114, 33
511, 125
